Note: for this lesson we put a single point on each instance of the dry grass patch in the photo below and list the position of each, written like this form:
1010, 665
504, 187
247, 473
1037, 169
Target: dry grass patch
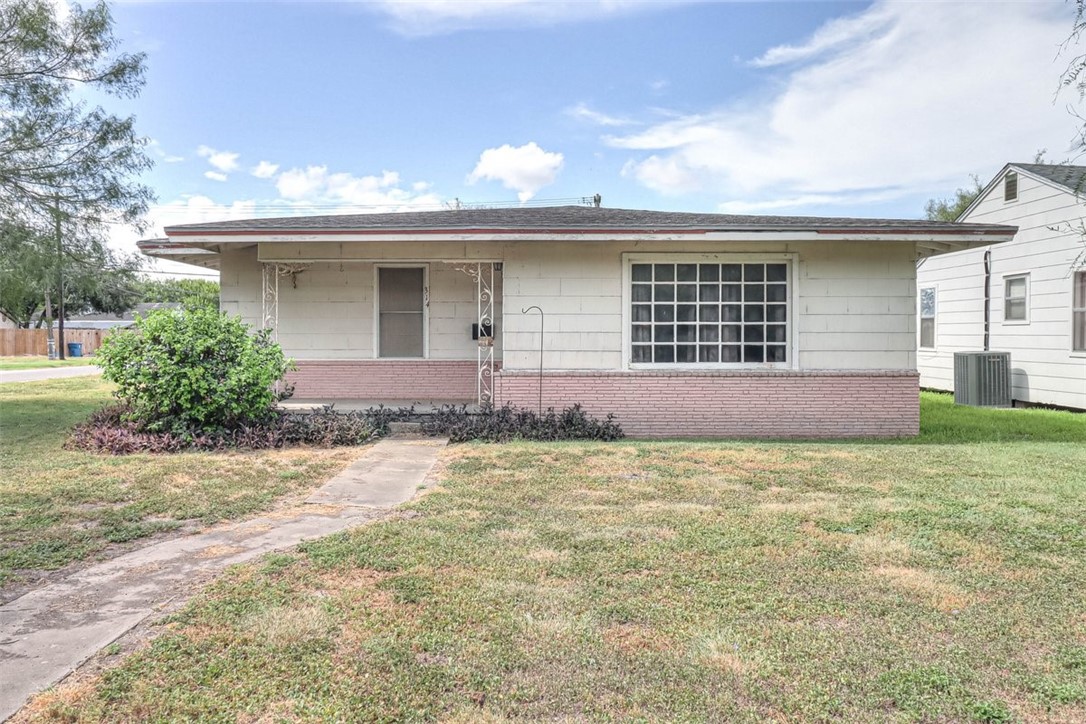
927, 587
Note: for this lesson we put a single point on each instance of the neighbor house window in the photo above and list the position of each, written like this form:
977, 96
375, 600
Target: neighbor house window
1016, 298
1010, 186
927, 318
401, 293
1078, 313
709, 313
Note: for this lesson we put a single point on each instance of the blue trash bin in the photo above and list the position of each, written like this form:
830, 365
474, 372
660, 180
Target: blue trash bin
75, 349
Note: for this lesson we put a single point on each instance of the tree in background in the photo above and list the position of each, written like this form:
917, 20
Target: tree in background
189, 293
67, 170
950, 209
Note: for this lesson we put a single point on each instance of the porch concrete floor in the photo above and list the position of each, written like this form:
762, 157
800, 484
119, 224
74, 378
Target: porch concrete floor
422, 407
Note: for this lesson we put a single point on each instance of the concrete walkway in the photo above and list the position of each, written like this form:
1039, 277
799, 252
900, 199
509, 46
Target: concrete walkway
47, 633
48, 373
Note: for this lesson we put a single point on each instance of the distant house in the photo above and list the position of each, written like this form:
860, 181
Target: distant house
1026, 297
99, 320
680, 324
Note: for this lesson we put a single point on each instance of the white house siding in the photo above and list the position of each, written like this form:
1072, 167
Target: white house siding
853, 302
1044, 369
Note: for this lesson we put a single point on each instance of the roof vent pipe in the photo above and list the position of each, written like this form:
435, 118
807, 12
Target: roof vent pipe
597, 200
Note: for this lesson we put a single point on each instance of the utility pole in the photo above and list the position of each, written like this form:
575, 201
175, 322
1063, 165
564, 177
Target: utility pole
60, 279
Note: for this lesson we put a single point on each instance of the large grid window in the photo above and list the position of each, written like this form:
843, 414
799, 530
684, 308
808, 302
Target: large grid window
709, 313
1078, 313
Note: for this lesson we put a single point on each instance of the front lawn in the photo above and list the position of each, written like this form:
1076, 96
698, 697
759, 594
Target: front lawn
646, 581
11, 364
58, 506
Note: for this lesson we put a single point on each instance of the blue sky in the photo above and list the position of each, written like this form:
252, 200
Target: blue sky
839, 109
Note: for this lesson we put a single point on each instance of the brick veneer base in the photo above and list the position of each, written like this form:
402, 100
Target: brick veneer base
377, 380
732, 403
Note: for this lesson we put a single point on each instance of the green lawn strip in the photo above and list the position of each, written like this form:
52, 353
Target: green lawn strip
941, 421
681, 581
59, 506
34, 363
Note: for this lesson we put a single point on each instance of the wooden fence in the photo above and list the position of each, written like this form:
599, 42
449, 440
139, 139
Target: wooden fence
20, 342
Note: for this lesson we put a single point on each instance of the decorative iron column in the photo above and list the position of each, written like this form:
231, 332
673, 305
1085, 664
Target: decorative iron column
269, 316
482, 273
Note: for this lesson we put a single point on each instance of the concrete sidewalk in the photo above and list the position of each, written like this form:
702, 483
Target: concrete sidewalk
47, 633
48, 373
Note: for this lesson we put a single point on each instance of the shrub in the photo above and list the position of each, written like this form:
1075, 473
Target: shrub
111, 430
193, 372
501, 424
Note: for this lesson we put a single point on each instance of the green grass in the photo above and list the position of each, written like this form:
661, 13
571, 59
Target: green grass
678, 581
58, 506
11, 364
941, 421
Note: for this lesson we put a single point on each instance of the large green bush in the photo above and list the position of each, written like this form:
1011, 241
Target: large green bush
193, 371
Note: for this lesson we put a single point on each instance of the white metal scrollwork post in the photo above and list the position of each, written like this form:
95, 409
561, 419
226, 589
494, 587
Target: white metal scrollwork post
482, 273
269, 317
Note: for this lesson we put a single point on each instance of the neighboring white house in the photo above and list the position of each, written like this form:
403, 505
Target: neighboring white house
1026, 297
679, 324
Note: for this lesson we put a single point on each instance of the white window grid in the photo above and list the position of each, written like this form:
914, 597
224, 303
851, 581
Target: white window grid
700, 313
1016, 298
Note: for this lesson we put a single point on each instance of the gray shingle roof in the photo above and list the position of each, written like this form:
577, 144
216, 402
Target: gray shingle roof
573, 218
1072, 178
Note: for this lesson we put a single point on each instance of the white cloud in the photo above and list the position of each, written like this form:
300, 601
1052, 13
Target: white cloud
354, 194
225, 161
582, 112
525, 169
901, 99
265, 169
435, 17
157, 150
215, 175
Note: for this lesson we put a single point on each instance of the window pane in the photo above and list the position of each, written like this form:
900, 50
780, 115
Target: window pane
664, 313
776, 313
927, 302
733, 333
687, 313
707, 353
775, 353
729, 353
753, 314
927, 332
709, 293
641, 272
664, 272
709, 333
775, 333
686, 353
663, 354
753, 353
776, 272
687, 273
686, 333
642, 292
754, 272
710, 272
1016, 288
753, 334
1078, 334
688, 293
753, 292
733, 313
776, 293
642, 333
642, 353
642, 313
733, 293
664, 292
709, 313
400, 289
1080, 290
1016, 309
731, 272
663, 333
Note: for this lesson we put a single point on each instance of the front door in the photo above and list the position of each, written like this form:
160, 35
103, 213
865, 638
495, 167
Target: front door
401, 293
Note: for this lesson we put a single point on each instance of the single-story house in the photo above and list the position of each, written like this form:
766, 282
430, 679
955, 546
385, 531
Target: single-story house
1026, 297
680, 324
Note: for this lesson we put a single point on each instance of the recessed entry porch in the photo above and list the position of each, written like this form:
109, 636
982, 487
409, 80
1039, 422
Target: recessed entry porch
385, 331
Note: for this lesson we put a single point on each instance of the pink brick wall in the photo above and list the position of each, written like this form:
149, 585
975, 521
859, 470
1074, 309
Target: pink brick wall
733, 403
377, 380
